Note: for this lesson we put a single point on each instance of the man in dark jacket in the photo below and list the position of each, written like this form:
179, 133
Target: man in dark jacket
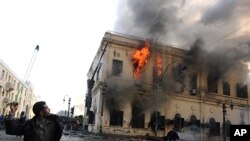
42, 127
171, 136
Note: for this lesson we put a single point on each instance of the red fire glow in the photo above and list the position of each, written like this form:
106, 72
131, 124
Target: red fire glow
158, 64
140, 59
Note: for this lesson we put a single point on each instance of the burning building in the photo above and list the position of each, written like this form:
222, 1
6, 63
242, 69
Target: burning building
138, 87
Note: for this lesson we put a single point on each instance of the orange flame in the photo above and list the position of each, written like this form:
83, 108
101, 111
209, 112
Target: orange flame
158, 64
140, 59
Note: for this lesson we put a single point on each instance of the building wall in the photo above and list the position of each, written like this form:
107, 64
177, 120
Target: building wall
203, 105
26, 97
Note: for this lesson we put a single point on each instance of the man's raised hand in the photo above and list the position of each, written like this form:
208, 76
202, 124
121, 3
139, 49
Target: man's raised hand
13, 107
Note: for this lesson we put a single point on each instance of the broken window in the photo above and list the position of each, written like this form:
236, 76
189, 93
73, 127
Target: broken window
212, 83
157, 122
138, 121
226, 88
138, 118
214, 127
178, 72
117, 67
193, 84
178, 122
116, 118
241, 90
179, 77
193, 81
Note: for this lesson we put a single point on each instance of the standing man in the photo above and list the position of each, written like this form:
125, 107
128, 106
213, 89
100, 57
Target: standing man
42, 127
22, 118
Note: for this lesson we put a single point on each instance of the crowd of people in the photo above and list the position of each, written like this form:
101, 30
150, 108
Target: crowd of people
46, 126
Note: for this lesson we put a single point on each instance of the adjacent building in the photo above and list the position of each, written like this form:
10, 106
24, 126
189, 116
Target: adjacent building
13, 89
139, 86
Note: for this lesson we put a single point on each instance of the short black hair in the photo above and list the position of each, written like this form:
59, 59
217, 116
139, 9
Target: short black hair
38, 107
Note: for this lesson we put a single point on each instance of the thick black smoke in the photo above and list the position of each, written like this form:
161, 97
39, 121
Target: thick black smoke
219, 60
216, 33
181, 22
119, 92
146, 18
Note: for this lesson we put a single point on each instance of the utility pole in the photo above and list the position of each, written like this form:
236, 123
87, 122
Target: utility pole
68, 108
224, 114
180, 70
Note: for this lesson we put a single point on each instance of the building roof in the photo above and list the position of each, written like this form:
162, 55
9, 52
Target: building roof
133, 42
8, 68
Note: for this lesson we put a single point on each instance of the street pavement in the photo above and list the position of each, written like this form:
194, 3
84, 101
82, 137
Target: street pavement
68, 137
4, 137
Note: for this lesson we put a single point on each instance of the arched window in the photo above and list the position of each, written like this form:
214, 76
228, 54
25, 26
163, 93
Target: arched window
214, 127
178, 122
193, 120
194, 123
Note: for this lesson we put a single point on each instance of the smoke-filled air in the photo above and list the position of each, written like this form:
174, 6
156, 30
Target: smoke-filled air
216, 32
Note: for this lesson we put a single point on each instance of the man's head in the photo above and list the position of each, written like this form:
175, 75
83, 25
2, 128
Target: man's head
41, 109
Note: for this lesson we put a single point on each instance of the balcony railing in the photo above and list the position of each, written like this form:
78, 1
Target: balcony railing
9, 86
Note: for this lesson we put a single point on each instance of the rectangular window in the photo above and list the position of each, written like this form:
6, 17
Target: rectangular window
1, 90
138, 121
212, 84
226, 88
3, 74
194, 82
138, 117
98, 73
117, 67
6, 76
161, 123
116, 118
241, 90
91, 117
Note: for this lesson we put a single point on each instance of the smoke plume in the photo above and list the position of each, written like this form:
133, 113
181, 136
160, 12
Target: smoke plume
119, 92
215, 32
181, 22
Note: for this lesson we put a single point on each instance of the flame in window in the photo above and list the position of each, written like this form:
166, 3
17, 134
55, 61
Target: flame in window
140, 59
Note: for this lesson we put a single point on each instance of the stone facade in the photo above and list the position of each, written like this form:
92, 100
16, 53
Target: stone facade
10, 91
181, 100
